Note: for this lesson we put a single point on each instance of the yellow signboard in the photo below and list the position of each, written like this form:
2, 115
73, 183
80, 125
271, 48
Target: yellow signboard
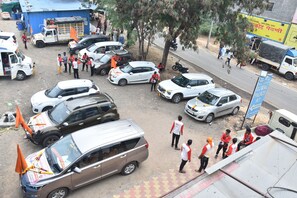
291, 39
270, 29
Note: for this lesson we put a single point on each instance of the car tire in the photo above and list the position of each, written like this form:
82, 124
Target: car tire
46, 108
176, 98
235, 110
174, 67
59, 192
21, 75
123, 82
40, 44
289, 76
265, 67
49, 140
129, 168
103, 72
209, 118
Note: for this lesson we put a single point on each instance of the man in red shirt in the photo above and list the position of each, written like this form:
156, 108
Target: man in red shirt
24, 39
225, 139
154, 80
247, 139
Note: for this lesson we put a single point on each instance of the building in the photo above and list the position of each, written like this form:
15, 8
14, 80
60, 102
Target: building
266, 168
36, 11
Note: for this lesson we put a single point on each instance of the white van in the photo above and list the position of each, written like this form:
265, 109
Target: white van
97, 50
13, 63
8, 36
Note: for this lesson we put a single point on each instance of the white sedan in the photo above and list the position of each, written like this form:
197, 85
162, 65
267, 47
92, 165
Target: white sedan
132, 73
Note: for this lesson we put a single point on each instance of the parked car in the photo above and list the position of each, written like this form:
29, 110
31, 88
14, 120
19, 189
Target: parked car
99, 49
47, 99
213, 103
71, 115
86, 41
187, 85
132, 73
103, 64
8, 36
84, 157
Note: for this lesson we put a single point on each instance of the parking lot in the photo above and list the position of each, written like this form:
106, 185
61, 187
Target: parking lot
152, 113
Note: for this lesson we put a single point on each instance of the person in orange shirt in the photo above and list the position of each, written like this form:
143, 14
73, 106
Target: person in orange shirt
84, 62
232, 148
59, 62
70, 61
154, 80
247, 139
225, 139
204, 156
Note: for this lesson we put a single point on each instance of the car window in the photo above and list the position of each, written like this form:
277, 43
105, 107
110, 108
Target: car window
129, 144
100, 40
224, 100
137, 70
289, 61
147, 69
110, 151
100, 50
87, 42
89, 159
180, 81
106, 107
49, 33
82, 90
193, 83
117, 47
232, 97
90, 112
202, 82
4, 37
68, 92
75, 117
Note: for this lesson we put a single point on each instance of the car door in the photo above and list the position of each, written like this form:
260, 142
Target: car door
192, 89
92, 115
66, 93
134, 76
146, 74
223, 106
74, 122
98, 53
51, 36
14, 65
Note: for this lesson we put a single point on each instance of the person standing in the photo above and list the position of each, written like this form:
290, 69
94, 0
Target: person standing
91, 65
70, 61
59, 62
24, 39
65, 62
154, 80
232, 148
186, 153
177, 129
247, 138
122, 37
229, 56
115, 35
225, 139
204, 156
84, 62
75, 68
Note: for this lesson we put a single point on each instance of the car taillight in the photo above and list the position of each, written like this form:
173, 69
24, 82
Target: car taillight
146, 144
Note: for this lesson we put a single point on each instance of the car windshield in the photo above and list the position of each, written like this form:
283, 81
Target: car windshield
62, 153
59, 113
53, 92
208, 98
105, 58
20, 54
295, 62
126, 68
92, 48
180, 81
81, 40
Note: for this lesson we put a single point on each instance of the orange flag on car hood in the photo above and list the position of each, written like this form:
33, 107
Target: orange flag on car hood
21, 164
20, 120
73, 34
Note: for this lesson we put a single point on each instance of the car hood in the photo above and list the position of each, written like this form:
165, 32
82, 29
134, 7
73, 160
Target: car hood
28, 61
38, 36
116, 71
197, 104
39, 167
40, 97
40, 121
169, 85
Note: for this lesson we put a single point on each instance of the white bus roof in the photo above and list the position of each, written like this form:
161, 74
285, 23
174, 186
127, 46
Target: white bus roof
7, 45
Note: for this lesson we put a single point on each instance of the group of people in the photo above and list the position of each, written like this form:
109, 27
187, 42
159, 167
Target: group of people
73, 62
177, 129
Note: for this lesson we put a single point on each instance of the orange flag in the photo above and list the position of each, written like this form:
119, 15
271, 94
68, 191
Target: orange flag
73, 34
21, 164
20, 120
113, 62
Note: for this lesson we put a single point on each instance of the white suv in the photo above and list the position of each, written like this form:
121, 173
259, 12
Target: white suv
183, 86
47, 99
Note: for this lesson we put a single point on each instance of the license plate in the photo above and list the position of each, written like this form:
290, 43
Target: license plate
190, 112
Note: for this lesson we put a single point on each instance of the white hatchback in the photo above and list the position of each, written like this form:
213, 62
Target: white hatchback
132, 73
47, 99
186, 85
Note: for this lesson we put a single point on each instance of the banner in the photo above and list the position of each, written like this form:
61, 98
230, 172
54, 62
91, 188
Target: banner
267, 28
291, 39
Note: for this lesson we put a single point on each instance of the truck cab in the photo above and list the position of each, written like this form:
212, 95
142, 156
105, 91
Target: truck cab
13, 63
288, 66
47, 35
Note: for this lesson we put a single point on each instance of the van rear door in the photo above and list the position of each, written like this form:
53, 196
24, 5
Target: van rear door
14, 65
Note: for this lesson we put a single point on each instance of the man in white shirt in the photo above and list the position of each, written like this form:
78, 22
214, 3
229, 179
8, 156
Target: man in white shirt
186, 153
177, 129
75, 68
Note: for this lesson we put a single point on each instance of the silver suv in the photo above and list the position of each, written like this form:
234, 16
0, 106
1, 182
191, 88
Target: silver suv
213, 103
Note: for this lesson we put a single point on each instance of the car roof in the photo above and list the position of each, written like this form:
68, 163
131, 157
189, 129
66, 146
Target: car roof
107, 133
219, 91
193, 76
94, 36
142, 64
104, 43
79, 102
7, 33
66, 84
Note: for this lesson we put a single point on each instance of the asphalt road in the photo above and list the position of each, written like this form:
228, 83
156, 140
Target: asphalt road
277, 95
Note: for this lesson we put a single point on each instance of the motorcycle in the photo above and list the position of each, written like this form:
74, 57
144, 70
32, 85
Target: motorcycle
173, 45
179, 67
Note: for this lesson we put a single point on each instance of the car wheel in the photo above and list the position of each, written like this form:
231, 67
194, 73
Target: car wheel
103, 72
47, 108
209, 118
289, 76
176, 98
58, 193
235, 110
265, 67
129, 168
40, 44
122, 82
49, 140
21, 75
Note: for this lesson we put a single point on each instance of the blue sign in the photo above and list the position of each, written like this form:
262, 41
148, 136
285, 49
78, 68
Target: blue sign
259, 95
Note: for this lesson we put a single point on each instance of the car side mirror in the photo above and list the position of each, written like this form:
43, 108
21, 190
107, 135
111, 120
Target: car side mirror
65, 124
188, 86
59, 97
219, 104
77, 170
130, 73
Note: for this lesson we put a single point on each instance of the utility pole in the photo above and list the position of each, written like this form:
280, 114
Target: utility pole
209, 35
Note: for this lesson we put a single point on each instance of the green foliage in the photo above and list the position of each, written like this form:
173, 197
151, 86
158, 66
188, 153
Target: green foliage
205, 27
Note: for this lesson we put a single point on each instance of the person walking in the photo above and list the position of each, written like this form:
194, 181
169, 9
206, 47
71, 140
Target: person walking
221, 50
65, 58
229, 57
232, 148
204, 156
177, 129
186, 153
154, 80
225, 139
84, 62
75, 68
122, 37
70, 61
24, 39
59, 62
91, 65
247, 138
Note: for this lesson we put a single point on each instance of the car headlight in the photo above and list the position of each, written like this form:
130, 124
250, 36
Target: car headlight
34, 187
168, 92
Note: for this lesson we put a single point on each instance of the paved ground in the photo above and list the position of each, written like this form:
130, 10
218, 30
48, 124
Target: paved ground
152, 113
